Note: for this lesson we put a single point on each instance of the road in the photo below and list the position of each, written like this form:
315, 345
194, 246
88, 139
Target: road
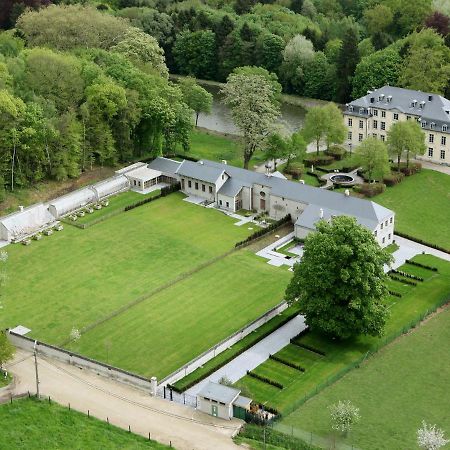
184, 427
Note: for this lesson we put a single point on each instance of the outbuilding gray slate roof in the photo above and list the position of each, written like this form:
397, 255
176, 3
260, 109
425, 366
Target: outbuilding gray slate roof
232, 187
219, 392
436, 110
164, 165
199, 171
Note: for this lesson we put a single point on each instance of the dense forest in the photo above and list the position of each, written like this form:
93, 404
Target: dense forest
86, 82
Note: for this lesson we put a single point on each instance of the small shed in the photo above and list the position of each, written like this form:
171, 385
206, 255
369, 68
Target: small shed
222, 401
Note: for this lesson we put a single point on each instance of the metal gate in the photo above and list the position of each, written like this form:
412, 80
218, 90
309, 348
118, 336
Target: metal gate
169, 394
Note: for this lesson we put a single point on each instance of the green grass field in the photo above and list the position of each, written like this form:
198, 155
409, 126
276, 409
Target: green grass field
77, 277
415, 302
422, 206
395, 390
30, 424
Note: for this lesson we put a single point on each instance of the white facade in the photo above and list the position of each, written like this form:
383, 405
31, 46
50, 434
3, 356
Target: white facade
69, 203
111, 186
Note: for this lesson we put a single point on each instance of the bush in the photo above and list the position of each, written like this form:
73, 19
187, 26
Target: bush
265, 379
423, 266
393, 178
411, 169
336, 152
273, 437
315, 175
308, 347
287, 363
395, 294
406, 274
295, 169
370, 189
402, 280
318, 160
257, 234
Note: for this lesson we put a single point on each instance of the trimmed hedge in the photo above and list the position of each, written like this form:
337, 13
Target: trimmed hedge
318, 160
421, 241
393, 178
265, 379
423, 266
370, 189
257, 234
302, 333
233, 356
395, 294
315, 175
308, 347
287, 363
273, 437
164, 191
407, 275
336, 152
402, 280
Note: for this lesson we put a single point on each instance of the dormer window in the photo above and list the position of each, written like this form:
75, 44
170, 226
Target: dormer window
361, 110
414, 103
444, 127
350, 108
423, 124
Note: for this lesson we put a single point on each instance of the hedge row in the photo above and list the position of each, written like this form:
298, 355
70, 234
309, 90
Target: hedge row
287, 363
302, 333
265, 379
272, 437
315, 175
336, 152
393, 179
370, 189
318, 160
308, 347
164, 191
402, 280
421, 241
395, 294
257, 234
407, 275
423, 266
234, 355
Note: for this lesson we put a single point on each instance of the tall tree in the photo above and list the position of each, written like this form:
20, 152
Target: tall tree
372, 156
254, 108
315, 126
346, 65
336, 131
406, 139
196, 97
340, 284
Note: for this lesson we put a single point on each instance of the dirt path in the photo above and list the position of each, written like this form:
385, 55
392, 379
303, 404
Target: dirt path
167, 422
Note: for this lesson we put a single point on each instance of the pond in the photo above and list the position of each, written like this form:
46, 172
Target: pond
292, 117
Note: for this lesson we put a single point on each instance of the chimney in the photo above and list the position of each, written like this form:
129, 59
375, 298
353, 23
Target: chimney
347, 193
321, 213
20, 208
430, 98
372, 99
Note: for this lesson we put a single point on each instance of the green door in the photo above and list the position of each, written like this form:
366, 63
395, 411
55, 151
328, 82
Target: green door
214, 410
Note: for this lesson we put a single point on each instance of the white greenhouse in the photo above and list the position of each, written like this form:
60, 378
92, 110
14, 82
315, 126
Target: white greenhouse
111, 186
69, 203
19, 225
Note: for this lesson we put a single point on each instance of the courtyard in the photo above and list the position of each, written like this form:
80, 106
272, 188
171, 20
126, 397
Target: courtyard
149, 289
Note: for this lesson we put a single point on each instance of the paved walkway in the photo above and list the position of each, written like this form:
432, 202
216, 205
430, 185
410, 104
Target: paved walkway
436, 167
167, 422
256, 355
278, 259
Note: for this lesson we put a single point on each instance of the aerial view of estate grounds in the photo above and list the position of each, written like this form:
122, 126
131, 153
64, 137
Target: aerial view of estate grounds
225, 225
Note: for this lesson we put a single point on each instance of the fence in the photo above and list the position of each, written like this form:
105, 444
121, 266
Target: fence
223, 345
169, 394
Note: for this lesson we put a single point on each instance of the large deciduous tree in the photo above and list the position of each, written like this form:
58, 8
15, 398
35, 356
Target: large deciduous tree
405, 139
254, 108
372, 156
196, 97
340, 284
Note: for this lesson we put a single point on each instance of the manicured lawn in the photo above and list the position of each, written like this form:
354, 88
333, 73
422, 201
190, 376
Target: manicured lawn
422, 206
395, 390
216, 148
76, 277
31, 424
116, 204
414, 303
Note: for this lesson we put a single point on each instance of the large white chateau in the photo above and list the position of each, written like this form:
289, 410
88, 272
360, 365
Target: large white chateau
373, 115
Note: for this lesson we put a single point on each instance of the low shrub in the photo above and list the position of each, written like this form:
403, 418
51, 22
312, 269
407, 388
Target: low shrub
315, 175
272, 437
295, 169
265, 379
421, 241
336, 151
232, 356
393, 178
370, 189
423, 266
402, 280
318, 160
395, 294
164, 191
287, 363
257, 234
308, 347
410, 170
406, 274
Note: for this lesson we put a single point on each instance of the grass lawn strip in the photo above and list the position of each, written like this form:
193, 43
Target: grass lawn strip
32, 424
341, 356
422, 206
232, 352
379, 389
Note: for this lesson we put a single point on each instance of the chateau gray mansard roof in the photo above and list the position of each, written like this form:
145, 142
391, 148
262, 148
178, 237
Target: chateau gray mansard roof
365, 211
435, 108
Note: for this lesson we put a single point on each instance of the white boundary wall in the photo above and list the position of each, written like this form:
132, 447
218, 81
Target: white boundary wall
222, 345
